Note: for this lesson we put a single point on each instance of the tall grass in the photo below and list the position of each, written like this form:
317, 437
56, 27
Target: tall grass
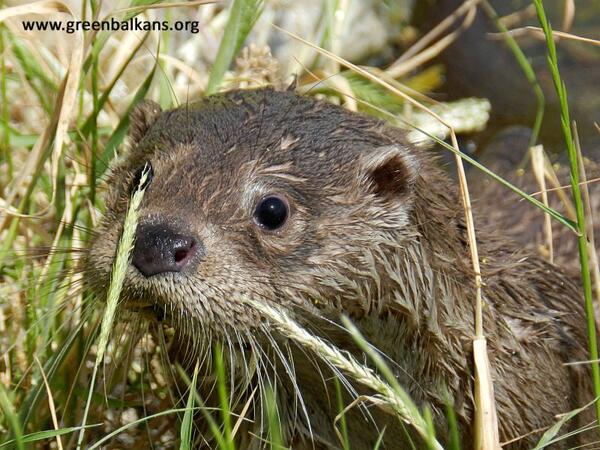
121, 265
582, 236
63, 117
243, 16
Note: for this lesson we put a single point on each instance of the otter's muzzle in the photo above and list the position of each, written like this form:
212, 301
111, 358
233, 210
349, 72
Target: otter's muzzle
159, 249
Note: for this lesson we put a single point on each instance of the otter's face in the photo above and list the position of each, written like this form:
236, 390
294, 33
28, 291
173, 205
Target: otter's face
255, 195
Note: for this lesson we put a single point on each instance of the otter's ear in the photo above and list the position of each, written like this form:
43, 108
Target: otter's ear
141, 119
389, 171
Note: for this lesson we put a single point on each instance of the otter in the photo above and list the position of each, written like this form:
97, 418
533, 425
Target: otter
274, 197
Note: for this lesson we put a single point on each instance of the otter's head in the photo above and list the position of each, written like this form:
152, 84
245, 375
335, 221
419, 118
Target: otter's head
256, 195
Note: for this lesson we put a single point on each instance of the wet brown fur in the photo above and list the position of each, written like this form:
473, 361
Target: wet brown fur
376, 232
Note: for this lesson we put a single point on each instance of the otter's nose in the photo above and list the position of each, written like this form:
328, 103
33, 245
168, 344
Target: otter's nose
159, 249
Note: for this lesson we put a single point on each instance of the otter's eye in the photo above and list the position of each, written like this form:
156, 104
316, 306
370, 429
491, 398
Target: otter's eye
271, 212
138, 176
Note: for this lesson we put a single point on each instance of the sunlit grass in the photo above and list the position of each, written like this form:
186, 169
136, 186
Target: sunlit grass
582, 238
62, 119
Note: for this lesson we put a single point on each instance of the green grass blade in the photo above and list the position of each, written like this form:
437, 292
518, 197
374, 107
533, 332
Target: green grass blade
51, 366
5, 149
38, 79
223, 396
426, 432
11, 418
343, 422
242, 17
274, 421
90, 121
118, 136
379, 441
187, 425
94, 133
454, 437
534, 201
527, 70
100, 442
222, 443
561, 91
548, 437
101, 37
116, 284
47, 434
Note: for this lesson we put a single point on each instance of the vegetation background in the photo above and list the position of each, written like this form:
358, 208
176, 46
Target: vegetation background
64, 104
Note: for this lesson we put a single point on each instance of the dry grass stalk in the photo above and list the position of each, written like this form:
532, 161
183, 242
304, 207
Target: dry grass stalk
348, 364
50, 403
565, 186
517, 17
405, 66
484, 396
538, 33
538, 164
431, 35
594, 263
64, 106
568, 15
121, 264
